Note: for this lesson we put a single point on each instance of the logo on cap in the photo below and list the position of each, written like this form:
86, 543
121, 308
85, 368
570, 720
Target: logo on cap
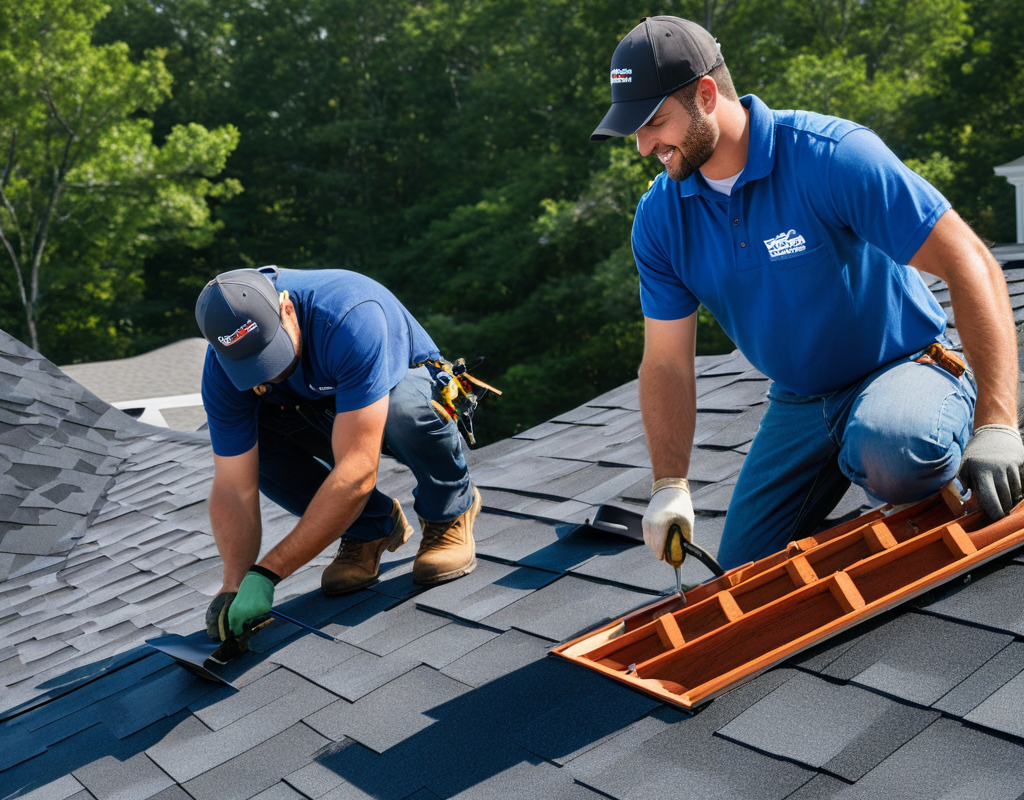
622, 76
246, 329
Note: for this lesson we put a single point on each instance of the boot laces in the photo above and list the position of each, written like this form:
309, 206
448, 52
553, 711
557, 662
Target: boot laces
434, 531
350, 549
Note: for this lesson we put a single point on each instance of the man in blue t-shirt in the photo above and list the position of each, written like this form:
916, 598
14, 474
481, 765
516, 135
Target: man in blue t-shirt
308, 374
798, 231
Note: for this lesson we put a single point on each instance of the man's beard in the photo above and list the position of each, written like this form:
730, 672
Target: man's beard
696, 148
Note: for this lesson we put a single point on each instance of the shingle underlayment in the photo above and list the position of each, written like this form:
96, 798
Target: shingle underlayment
449, 691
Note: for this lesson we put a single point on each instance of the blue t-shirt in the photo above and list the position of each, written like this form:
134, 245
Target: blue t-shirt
803, 265
358, 342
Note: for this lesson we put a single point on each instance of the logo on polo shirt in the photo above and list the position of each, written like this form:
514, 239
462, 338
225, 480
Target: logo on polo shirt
321, 388
245, 330
785, 244
622, 76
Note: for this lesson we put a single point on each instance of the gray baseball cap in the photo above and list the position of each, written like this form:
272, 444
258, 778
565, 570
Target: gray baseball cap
239, 313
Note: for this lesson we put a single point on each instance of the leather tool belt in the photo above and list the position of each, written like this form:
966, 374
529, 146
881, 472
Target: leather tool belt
941, 357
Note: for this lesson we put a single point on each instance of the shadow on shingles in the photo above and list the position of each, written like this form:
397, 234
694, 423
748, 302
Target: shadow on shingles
547, 710
575, 545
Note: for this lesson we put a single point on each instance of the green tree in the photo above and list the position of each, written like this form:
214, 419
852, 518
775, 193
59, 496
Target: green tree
85, 194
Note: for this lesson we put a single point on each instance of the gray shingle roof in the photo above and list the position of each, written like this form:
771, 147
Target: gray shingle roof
449, 692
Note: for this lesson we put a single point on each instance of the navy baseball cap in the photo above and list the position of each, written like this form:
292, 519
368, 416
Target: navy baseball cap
658, 56
239, 313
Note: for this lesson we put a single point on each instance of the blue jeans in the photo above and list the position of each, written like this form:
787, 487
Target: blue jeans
296, 456
899, 434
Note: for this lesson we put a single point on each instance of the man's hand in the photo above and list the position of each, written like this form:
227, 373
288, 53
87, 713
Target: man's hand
992, 465
254, 599
670, 504
217, 626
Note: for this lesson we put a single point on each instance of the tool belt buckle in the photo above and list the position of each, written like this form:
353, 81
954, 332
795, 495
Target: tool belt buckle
938, 355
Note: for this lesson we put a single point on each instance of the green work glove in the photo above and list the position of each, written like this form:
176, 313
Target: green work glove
217, 617
254, 599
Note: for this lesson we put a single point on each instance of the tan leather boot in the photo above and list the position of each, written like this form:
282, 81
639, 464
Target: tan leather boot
358, 561
448, 550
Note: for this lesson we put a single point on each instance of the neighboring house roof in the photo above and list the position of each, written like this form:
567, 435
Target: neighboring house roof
447, 692
166, 380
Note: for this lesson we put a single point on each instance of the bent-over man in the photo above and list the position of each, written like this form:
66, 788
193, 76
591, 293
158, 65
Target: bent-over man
308, 374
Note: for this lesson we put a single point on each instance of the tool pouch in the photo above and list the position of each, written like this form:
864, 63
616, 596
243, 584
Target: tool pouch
455, 393
938, 355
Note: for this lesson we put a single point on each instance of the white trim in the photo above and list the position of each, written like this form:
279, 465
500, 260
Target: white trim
174, 401
1014, 173
151, 407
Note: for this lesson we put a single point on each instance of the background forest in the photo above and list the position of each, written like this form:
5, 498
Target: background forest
440, 147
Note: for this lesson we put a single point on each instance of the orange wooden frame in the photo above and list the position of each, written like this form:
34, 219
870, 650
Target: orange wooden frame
740, 624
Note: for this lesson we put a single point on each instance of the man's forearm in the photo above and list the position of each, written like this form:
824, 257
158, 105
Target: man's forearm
668, 405
984, 321
235, 520
335, 506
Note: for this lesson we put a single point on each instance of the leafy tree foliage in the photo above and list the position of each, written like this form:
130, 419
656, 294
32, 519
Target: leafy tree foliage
443, 148
85, 195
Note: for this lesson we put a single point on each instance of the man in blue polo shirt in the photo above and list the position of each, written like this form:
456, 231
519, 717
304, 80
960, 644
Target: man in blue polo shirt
796, 231
308, 374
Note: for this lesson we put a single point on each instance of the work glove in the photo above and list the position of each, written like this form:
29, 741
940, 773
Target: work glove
217, 616
255, 598
991, 467
670, 504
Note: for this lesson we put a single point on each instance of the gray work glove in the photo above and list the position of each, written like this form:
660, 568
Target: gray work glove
991, 467
217, 627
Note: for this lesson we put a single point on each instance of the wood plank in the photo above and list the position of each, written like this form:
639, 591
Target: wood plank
845, 592
958, 542
668, 632
800, 571
879, 537
730, 607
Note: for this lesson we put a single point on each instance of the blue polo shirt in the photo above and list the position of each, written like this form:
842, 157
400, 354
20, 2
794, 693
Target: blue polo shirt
358, 342
803, 265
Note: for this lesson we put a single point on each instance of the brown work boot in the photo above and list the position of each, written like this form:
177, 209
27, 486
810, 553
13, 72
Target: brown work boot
448, 550
358, 561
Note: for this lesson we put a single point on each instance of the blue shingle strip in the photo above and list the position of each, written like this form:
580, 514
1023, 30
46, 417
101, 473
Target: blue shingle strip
853, 729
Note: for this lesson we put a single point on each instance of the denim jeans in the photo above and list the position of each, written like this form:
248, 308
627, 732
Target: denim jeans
899, 434
296, 456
